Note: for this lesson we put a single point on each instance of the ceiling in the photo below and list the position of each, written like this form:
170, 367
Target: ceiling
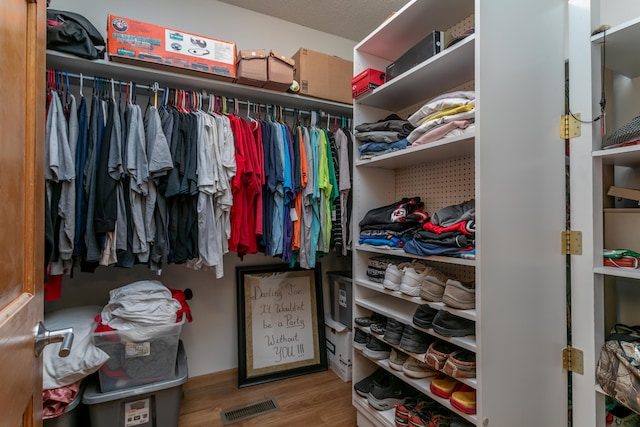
350, 19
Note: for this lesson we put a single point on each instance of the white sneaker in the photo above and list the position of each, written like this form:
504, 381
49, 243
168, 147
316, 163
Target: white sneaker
393, 276
412, 279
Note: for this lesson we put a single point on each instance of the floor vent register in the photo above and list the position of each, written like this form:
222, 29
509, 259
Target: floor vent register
231, 416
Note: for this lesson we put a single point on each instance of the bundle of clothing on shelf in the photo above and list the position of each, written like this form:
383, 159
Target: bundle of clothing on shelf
384, 136
447, 115
179, 183
450, 231
405, 225
450, 114
393, 225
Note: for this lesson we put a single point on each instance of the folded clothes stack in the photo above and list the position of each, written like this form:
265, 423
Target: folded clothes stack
449, 231
394, 224
384, 136
447, 115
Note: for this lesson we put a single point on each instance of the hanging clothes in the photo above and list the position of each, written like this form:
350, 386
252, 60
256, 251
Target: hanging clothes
179, 185
60, 185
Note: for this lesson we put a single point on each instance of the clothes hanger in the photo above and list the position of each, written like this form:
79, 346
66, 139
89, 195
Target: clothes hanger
67, 91
155, 95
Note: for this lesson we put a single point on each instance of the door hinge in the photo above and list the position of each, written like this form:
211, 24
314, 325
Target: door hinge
571, 242
570, 126
573, 360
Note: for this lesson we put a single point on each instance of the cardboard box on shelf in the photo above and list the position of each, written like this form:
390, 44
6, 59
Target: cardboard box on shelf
622, 228
252, 67
367, 80
323, 76
140, 43
431, 45
279, 71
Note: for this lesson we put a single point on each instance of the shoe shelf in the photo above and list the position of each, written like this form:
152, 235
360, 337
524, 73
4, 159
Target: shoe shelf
621, 156
402, 253
437, 151
403, 312
467, 314
386, 418
472, 382
622, 39
618, 272
423, 385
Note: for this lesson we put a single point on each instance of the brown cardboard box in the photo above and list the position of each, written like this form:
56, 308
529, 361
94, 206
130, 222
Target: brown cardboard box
323, 76
252, 67
622, 228
279, 71
139, 43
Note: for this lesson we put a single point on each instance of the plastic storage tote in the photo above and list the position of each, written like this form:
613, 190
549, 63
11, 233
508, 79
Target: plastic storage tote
74, 416
340, 288
151, 405
138, 356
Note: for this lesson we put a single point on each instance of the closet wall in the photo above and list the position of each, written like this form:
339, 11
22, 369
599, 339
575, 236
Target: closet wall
249, 30
210, 341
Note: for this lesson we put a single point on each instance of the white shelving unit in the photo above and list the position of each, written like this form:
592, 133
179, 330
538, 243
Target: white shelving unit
514, 153
601, 296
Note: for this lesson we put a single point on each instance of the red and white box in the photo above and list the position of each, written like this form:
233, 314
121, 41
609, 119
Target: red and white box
367, 80
138, 43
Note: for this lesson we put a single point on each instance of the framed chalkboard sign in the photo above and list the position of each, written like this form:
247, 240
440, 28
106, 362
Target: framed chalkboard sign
280, 323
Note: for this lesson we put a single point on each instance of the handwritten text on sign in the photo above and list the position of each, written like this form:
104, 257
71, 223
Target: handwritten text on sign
282, 328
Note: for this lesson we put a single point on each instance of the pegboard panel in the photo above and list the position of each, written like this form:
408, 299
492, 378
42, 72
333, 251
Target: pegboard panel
439, 184
462, 26
464, 273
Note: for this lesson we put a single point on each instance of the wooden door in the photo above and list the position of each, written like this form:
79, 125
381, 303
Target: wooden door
22, 104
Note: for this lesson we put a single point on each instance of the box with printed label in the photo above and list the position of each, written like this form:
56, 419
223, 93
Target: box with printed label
339, 351
323, 76
138, 356
367, 80
140, 43
431, 45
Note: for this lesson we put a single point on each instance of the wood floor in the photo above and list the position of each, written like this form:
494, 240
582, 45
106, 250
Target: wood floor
318, 400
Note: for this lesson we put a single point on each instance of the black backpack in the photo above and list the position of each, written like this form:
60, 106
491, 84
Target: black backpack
72, 33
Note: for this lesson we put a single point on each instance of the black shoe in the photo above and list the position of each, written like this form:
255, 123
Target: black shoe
393, 334
367, 321
424, 315
376, 349
379, 327
386, 394
363, 387
448, 325
415, 341
360, 339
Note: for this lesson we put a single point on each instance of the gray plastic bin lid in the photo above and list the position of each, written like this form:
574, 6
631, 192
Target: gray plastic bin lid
92, 394
347, 274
